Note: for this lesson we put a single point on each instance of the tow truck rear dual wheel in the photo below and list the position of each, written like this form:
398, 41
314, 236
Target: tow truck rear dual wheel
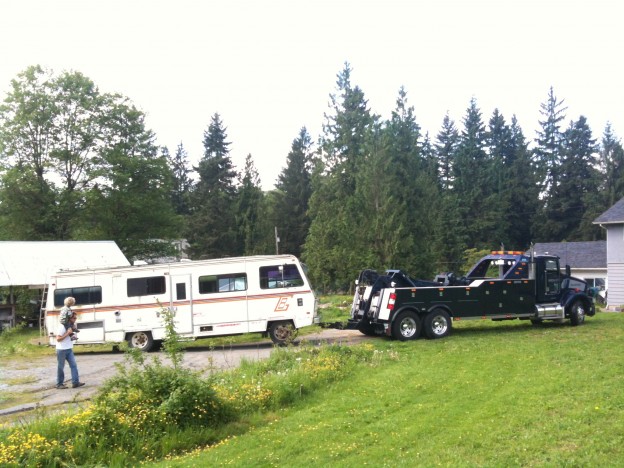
577, 313
406, 326
437, 324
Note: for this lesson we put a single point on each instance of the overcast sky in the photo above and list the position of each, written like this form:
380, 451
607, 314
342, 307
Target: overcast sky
268, 67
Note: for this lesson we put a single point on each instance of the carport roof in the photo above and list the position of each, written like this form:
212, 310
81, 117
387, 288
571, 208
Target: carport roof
32, 263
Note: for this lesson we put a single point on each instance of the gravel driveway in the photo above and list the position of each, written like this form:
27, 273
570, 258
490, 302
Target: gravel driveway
96, 367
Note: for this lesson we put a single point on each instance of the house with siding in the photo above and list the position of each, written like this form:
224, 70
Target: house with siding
613, 221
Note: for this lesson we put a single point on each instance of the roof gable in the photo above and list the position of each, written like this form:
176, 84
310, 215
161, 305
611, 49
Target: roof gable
576, 254
613, 215
32, 263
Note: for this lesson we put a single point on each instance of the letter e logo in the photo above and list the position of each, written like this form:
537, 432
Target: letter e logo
282, 304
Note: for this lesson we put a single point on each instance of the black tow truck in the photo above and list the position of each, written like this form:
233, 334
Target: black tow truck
504, 285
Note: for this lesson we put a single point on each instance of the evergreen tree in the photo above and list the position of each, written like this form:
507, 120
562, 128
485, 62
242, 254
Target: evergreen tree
182, 183
547, 154
472, 171
410, 192
428, 155
546, 160
500, 149
249, 201
294, 187
522, 191
344, 130
212, 231
335, 243
612, 164
446, 147
576, 187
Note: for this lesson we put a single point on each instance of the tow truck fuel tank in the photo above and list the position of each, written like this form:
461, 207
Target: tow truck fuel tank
550, 311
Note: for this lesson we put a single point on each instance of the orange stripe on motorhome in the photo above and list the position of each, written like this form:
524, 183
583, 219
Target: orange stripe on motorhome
216, 300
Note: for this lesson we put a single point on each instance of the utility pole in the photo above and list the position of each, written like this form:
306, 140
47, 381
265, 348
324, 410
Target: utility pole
277, 239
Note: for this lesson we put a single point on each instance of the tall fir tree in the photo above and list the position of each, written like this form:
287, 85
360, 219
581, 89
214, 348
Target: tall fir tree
249, 201
522, 191
334, 244
547, 159
548, 150
182, 183
612, 165
447, 141
212, 230
409, 187
576, 186
500, 150
294, 189
472, 171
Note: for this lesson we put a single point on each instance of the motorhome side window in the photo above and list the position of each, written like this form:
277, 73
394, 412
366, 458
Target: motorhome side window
280, 276
148, 286
86, 295
209, 284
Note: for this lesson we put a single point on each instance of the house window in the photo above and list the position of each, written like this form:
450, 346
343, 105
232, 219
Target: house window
596, 283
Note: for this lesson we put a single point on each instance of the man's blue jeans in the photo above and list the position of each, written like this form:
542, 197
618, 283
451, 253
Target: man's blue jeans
63, 355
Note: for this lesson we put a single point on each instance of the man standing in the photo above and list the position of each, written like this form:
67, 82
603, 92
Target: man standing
65, 337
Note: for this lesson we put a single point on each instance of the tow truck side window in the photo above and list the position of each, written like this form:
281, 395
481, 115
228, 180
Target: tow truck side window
553, 283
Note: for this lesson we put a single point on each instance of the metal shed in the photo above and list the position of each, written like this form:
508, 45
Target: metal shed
30, 264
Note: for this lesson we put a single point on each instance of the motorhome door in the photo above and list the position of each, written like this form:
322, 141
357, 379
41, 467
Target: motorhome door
181, 303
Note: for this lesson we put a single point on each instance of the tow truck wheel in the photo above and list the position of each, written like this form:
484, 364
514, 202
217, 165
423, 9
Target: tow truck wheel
141, 340
437, 324
577, 313
282, 333
406, 326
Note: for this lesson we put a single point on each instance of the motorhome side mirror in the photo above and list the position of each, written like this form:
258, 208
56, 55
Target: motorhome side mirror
568, 271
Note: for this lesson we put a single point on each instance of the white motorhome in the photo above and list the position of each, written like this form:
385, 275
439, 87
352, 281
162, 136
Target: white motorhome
266, 294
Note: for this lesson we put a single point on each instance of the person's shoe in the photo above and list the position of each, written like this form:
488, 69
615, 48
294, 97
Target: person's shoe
76, 385
60, 386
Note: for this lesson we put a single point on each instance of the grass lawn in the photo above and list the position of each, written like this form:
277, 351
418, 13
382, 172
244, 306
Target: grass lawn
491, 394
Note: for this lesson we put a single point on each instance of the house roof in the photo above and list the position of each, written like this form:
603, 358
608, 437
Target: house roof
32, 263
576, 254
614, 215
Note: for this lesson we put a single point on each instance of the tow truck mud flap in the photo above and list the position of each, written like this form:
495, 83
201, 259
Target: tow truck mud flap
336, 325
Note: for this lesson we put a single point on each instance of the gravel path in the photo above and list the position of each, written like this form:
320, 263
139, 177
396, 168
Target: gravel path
38, 375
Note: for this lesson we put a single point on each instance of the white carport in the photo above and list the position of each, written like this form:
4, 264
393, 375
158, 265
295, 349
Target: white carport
31, 264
